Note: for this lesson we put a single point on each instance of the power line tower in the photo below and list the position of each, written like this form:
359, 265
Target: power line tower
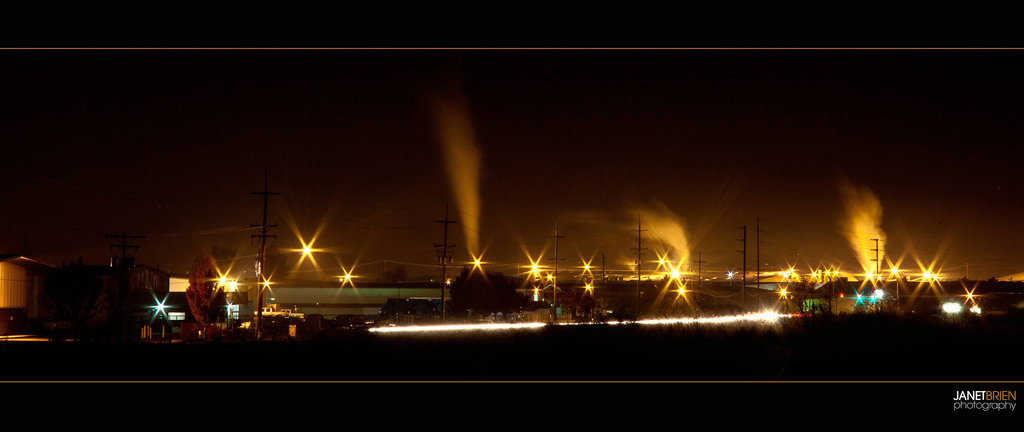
443, 258
261, 254
554, 282
119, 298
639, 262
743, 288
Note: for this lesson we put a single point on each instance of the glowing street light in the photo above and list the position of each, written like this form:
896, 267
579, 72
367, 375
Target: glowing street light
477, 263
346, 277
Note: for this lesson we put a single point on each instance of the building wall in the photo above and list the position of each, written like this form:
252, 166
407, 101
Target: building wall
146, 279
331, 302
13, 283
177, 284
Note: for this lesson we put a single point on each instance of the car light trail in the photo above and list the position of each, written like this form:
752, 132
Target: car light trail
457, 328
765, 317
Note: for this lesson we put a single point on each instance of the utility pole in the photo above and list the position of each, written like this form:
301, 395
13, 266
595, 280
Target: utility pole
604, 275
118, 301
639, 262
261, 254
699, 262
554, 283
700, 283
757, 277
877, 263
743, 288
443, 258
899, 309
124, 246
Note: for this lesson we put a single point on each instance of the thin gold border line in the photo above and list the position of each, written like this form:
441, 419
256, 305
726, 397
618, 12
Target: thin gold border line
500, 382
513, 48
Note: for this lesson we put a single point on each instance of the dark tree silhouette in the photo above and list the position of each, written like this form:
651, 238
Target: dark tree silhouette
202, 291
73, 292
490, 293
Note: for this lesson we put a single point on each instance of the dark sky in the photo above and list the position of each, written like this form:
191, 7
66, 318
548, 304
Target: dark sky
171, 144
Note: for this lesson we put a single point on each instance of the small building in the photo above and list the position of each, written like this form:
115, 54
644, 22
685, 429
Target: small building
21, 292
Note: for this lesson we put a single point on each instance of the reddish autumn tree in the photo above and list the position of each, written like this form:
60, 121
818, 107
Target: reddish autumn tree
202, 291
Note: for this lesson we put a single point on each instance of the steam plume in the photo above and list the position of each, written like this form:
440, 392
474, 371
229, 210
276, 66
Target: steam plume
862, 223
667, 228
462, 160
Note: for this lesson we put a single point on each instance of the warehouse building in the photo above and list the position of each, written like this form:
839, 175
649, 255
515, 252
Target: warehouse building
21, 289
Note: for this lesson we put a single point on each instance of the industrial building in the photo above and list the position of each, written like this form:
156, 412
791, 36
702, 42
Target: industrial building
21, 292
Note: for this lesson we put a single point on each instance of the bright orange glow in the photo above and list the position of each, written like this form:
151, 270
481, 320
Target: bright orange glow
586, 266
307, 251
662, 262
674, 273
969, 297
535, 267
346, 277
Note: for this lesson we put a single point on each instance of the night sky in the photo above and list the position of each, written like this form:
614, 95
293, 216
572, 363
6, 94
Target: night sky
171, 144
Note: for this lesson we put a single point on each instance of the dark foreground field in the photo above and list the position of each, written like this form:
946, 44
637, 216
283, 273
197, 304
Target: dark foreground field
858, 347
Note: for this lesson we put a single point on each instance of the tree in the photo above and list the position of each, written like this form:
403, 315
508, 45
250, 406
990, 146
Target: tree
202, 291
73, 292
485, 293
